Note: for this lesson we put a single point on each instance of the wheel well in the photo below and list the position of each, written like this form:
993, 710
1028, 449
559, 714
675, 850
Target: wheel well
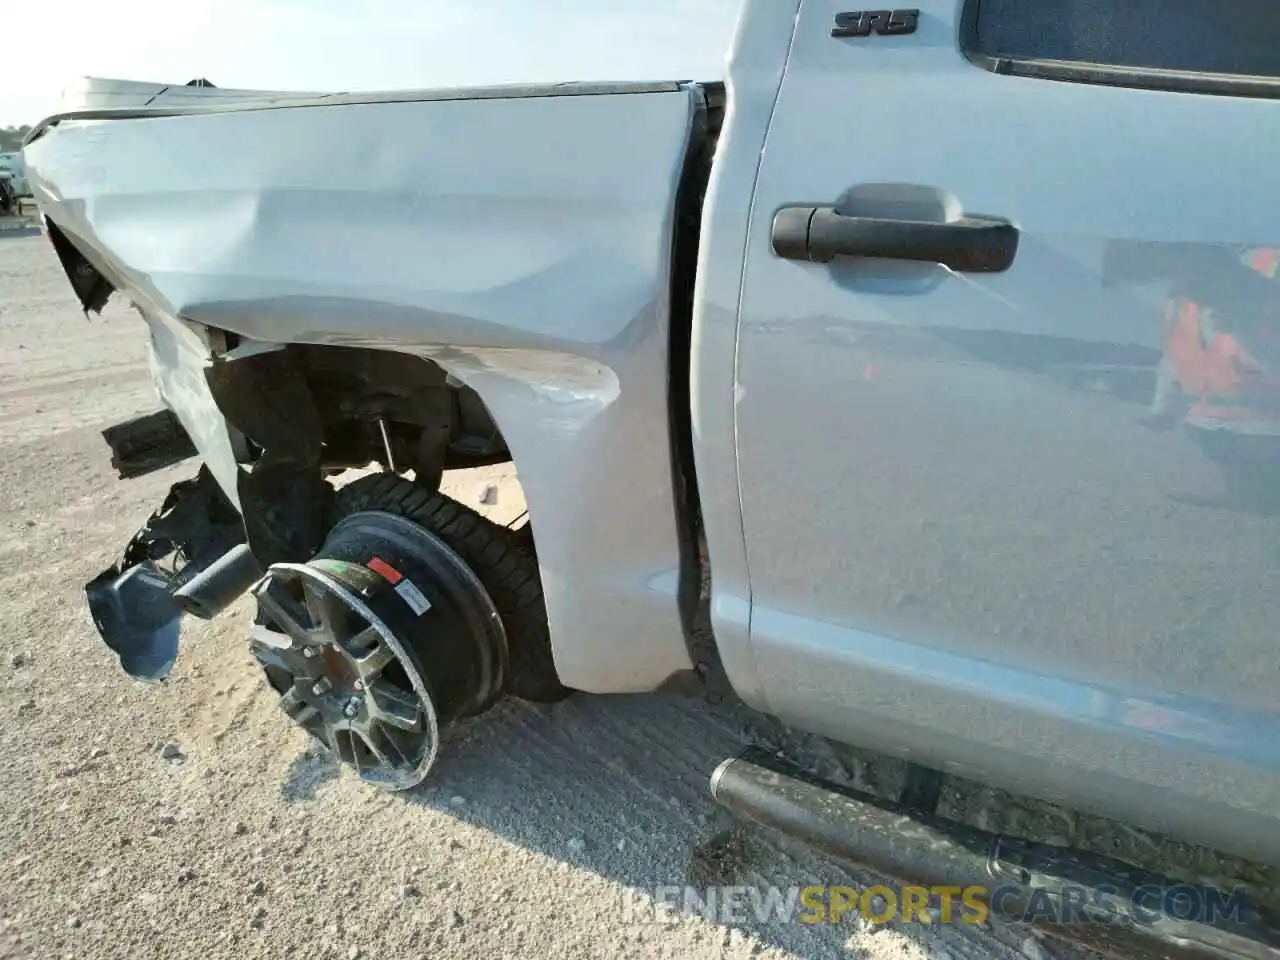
301, 412
401, 411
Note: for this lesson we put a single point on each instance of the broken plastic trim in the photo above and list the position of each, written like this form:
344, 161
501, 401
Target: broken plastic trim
133, 602
138, 618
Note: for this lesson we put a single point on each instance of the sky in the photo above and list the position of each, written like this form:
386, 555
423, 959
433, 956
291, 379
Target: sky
325, 45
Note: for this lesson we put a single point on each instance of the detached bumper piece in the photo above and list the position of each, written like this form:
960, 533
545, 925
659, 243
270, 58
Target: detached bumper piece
189, 557
137, 617
1107, 905
146, 444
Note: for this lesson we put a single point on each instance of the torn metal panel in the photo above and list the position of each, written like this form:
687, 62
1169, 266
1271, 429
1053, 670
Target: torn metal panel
92, 289
178, 353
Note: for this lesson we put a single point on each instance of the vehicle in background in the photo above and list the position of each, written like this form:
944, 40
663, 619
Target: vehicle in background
13, 170
858, 347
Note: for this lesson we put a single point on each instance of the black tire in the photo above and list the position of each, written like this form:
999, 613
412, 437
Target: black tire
498, 556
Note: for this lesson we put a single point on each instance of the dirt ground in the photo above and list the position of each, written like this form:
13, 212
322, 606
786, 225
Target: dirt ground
537, 830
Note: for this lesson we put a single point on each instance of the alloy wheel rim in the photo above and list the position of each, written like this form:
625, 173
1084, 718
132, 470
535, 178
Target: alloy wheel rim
344, 676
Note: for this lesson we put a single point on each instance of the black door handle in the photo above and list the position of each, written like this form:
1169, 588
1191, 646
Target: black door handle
968, 245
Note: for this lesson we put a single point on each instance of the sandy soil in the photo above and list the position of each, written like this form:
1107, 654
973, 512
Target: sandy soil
535, 829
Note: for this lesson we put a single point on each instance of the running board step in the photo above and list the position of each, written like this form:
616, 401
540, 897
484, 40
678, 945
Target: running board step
914, 848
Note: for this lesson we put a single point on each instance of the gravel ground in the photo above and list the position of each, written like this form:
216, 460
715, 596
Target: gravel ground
190, 820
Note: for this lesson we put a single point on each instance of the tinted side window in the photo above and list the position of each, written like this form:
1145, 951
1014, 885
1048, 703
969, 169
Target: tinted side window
1238, 38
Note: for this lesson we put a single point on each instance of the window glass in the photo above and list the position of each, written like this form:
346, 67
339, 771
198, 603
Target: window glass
1238, 37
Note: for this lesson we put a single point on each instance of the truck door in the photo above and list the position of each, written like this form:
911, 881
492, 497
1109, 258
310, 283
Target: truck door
993, 522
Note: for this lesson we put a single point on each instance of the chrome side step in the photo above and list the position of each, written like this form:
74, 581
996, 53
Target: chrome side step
1107, 905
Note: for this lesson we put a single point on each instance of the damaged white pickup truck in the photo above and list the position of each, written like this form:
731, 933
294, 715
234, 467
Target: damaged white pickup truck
946, 339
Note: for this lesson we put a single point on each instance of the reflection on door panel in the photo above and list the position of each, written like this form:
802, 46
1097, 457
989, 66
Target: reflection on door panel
1219, 373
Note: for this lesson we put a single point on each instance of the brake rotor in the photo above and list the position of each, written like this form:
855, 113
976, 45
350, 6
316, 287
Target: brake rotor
378, 643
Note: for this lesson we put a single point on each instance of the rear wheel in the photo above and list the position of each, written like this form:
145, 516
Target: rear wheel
414, 613
501, 559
